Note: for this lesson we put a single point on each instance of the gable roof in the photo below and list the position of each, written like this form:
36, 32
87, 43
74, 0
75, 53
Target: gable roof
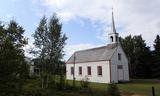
103, 53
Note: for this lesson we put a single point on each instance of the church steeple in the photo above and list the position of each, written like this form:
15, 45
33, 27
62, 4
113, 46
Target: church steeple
113, 35
113, 29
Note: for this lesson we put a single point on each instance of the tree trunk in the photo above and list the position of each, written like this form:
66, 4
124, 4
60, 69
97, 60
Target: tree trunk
47, 81
42, 82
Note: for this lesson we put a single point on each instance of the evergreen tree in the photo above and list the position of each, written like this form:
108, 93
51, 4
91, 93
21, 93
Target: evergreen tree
128, 47
139, 56
157, 45
142, 55
156, 58
12, 60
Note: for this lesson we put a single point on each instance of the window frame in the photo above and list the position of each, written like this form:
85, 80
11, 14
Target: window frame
111, 37
119, 56
99, 71
89, 70
72, 70
119, 66
80, 70
116, 38
36, 71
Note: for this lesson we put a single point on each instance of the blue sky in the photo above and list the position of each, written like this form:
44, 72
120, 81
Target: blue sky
86, 22
28, 14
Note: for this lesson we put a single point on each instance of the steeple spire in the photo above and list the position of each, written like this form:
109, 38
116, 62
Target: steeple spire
113, 35
113, 29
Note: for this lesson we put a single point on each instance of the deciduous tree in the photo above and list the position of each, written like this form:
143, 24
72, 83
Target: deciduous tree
49, 42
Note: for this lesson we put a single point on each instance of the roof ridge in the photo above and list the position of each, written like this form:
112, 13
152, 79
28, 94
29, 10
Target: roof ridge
92, 48
103, 53
95, 48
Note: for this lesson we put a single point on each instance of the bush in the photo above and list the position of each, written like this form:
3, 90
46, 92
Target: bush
84, 82
113, 90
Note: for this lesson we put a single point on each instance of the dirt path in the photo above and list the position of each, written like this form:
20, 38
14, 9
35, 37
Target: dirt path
137, 95
131, 94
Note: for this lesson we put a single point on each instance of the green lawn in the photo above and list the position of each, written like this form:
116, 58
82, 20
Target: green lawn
142, 87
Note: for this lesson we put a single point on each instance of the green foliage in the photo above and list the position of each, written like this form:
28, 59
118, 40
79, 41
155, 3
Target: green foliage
157, 45
68, 86
61, 82
140, 87
85, 83
31, 87
12, 61
142, 58
49, 42
113, 90
139, 56
128, 47
156, 58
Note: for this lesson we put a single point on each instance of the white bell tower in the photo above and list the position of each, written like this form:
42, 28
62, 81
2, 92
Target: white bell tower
113, 35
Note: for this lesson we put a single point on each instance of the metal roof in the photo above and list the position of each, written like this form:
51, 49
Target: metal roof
103, 53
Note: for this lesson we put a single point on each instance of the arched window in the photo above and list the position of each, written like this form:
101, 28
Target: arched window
111, 38
116, 38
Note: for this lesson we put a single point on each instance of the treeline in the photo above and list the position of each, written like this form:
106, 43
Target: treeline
143, 62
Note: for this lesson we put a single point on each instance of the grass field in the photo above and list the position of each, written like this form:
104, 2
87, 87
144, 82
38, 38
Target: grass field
140, 87
133, 88
143, 87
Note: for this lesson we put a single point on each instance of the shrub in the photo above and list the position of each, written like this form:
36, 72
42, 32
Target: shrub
61, 82
113, 90
84, 82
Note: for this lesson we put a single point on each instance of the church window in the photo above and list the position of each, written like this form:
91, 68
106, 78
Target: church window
119, 56
99, 70
72, 70
89, 70
116, 38
111, 38
120, 67
37, 71
80, 70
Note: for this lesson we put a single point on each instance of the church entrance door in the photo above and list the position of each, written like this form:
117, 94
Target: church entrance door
120, 73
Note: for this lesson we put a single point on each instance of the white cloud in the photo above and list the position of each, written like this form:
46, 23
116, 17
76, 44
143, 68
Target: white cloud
69, 9
135, 16
132, 17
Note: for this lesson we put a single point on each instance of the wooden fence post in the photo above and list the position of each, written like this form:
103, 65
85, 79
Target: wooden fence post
153, 91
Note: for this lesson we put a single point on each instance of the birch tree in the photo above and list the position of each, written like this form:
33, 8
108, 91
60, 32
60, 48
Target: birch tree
49, 42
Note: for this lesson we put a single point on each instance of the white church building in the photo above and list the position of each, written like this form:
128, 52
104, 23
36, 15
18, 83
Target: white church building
104, 64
